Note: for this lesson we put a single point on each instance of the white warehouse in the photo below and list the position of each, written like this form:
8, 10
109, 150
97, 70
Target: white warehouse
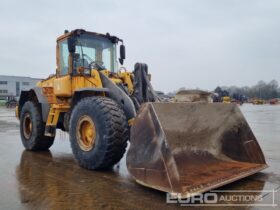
13, 85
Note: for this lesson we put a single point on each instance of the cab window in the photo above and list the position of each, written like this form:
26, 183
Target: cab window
63, 58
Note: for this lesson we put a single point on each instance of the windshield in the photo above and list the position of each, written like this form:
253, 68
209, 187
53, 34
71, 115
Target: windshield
96, 52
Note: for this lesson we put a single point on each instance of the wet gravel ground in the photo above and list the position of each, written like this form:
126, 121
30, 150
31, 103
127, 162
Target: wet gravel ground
53, 180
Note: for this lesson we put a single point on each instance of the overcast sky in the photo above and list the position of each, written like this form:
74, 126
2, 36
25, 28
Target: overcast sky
190, 43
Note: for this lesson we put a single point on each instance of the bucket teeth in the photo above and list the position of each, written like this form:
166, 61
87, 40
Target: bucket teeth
191, 148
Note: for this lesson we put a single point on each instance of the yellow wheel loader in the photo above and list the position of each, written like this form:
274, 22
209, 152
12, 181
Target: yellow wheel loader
180, 148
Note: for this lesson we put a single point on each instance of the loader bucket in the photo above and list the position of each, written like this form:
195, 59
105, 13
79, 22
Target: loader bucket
186, 148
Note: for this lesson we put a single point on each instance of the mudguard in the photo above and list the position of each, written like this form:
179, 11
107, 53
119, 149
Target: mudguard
35, 94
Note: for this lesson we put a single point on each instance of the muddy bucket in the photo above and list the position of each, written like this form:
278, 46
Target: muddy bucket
186, 148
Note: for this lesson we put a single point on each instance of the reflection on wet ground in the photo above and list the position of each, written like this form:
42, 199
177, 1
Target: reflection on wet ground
53, 180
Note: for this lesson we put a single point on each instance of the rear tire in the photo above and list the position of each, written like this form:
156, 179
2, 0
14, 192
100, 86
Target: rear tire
98, 132
32, 128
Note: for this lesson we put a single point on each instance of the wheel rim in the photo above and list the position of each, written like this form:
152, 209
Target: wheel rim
27, 126
86, 133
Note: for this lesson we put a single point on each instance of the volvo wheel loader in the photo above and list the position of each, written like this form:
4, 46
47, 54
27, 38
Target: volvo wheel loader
180, 148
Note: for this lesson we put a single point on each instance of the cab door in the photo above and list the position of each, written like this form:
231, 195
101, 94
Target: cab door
62, 82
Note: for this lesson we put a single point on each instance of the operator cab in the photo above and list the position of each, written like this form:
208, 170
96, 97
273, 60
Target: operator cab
80, 51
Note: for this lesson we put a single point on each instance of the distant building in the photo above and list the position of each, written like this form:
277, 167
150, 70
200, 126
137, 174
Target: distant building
13, 85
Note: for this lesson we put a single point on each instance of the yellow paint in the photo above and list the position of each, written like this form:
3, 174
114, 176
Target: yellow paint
93, 81
258, 101
226, 100
106, 72
126, 77
62, 86
116, 80
17, 112
54, 113
131, 121
58, 89
87, 133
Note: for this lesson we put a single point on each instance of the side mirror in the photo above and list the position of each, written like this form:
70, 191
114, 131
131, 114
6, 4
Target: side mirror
71, 41
122, 54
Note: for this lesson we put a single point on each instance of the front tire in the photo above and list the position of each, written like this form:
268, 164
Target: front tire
32, 128
98, 132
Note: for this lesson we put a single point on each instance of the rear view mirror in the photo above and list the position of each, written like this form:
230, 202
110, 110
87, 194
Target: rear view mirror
122, 54
122, 51
71, 44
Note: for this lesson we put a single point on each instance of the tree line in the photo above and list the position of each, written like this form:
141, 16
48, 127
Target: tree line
263, 90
